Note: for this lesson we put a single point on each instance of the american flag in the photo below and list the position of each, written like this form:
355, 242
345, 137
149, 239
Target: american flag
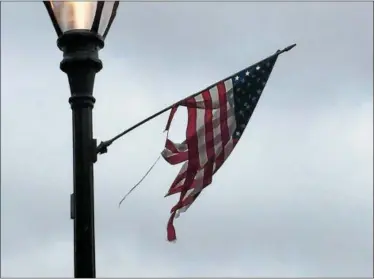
217, 118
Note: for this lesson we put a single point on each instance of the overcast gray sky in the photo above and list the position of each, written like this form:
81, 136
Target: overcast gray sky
294, 198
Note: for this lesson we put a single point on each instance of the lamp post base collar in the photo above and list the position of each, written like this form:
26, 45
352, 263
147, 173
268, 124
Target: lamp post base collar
80, 48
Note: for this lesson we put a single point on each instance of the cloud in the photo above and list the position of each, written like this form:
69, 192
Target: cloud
294, 198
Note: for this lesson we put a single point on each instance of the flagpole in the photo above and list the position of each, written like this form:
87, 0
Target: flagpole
103, 146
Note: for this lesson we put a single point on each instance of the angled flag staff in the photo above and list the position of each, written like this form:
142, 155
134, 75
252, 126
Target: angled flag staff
217, 118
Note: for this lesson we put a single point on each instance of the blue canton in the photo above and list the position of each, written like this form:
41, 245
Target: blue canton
248, 86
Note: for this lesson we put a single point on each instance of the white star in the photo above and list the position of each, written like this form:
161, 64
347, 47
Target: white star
259, 91
247, 73
238, 133
257, 68
237, 78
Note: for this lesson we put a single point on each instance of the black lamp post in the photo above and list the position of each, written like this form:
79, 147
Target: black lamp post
81, 28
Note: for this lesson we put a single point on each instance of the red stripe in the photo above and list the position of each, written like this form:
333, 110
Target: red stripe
173, 189
193, 154
192, 103
177, 156
178, 189
179, 178
170, 146
209, 138
175, 182
193, 196
190, 169
224, 139
171, 115
193, 166
218, 162
193, 163
189, 200
223, 121
171, 232
192, 139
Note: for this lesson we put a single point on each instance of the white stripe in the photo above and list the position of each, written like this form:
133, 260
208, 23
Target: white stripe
231, 122
215, 98
232, 125
217, 132
198, 176
228, 148
230, 106
201, 130
183, 168
167, 153
231, 128
180, 146
189, 193
228, 85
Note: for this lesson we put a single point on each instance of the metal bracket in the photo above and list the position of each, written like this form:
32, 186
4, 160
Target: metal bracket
103, 147
72, 207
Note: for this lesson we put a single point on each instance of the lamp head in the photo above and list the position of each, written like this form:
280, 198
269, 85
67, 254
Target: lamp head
93, 17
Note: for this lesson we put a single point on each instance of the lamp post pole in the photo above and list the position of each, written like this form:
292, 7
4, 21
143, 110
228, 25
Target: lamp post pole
81, 28
81, 63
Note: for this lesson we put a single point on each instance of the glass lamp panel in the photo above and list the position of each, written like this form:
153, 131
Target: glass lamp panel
71, 15
106, 15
